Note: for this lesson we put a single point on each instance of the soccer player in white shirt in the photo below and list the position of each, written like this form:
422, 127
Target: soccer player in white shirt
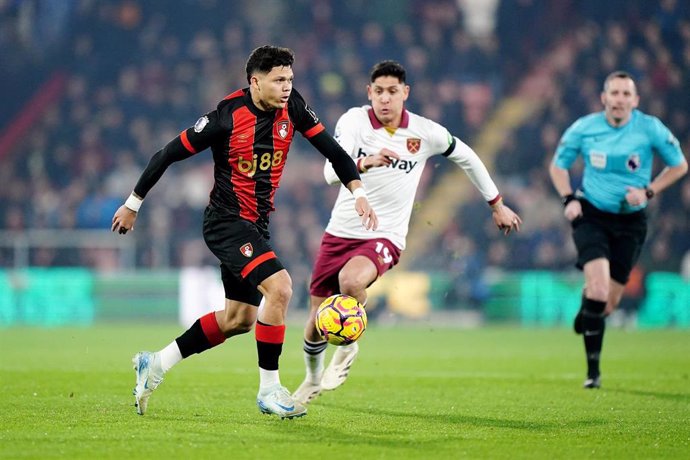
390, 146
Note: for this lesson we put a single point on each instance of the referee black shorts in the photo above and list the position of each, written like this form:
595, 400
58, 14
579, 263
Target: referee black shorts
616, 237
245, 254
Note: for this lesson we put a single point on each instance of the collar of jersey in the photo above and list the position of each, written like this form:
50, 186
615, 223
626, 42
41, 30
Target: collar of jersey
254, 109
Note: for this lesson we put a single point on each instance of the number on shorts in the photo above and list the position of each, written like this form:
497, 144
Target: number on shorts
382, 249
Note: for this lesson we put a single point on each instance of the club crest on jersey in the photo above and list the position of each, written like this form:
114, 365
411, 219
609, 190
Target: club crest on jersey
633, 162
247, 250
283, 128
200, 124
413, 144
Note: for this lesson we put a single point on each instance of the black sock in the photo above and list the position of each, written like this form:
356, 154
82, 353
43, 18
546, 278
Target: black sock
193, 340
269, 344
269, 354
593, 323
577, 322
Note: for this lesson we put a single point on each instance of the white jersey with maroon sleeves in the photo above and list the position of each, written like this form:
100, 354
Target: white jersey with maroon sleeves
391, 189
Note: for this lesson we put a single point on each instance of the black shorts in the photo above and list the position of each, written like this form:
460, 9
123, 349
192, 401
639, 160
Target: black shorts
245, 254
616, 237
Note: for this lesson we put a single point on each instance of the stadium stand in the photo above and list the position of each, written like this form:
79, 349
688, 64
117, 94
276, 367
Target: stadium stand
112, 81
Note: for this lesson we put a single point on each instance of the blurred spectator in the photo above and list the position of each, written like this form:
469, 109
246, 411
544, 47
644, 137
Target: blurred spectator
141, 71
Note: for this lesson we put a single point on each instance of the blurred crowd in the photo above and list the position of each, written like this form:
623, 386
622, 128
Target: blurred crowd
135, 73
651, 40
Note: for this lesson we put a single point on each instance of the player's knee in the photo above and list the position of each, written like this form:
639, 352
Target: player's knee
351, 284
280, 294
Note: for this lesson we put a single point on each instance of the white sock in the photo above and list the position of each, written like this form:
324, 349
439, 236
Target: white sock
170, 356
347, 348
314, 355
268, 379
314, 365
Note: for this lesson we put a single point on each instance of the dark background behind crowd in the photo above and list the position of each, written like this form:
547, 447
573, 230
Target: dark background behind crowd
92, 89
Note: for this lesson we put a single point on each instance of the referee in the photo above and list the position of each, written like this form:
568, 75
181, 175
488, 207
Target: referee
607, 213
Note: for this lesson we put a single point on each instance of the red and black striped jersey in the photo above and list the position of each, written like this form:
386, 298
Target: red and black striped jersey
250, 147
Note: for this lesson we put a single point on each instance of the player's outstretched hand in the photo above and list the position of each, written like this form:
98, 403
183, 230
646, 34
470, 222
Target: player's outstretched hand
366, 212
506, 219
123, 220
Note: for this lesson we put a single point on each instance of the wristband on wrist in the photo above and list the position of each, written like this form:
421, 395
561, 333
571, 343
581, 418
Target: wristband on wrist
568, 198
359, 193
133, 202
360, 166
649, 193
497, 200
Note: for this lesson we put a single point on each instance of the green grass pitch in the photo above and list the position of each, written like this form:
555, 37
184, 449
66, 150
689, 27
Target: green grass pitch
414, 392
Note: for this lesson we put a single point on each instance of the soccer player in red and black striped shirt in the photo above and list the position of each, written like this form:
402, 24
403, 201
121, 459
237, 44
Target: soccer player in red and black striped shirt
249, 133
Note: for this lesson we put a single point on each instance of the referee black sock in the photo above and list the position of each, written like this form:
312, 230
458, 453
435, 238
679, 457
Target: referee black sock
593, 323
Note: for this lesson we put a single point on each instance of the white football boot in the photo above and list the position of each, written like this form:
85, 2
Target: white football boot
147, 366
339, 368
307, 392
277, 400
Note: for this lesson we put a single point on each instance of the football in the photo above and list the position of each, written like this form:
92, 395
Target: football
341, 320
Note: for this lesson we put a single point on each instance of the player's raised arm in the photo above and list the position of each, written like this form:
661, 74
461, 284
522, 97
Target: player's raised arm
462, 155
186, 144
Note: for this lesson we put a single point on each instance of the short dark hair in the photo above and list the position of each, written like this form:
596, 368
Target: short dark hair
388, 68
265, 58
617, 74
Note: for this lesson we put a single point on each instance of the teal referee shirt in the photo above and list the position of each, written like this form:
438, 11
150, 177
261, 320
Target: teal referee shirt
616, 157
